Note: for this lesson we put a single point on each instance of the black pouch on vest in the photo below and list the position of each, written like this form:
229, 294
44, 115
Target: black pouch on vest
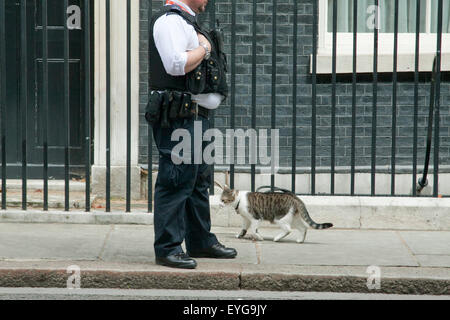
186, 110
153, 109
217, 38
213, 75
175, 104
166, 101
196, 79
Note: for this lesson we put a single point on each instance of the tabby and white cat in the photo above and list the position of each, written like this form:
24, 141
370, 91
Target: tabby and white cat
285, 209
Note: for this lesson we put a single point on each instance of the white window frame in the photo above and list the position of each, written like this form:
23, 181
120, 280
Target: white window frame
365, 42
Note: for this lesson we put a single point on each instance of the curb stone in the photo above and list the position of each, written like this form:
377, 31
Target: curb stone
221, 280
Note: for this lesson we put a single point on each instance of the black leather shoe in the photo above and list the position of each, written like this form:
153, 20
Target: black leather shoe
179, 260
217, 251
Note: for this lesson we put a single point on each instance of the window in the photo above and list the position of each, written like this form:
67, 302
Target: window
365, 39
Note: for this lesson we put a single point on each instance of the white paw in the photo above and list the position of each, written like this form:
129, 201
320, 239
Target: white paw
302, 240
257, 237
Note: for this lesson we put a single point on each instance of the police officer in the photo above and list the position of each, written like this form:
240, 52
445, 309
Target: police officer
179, 50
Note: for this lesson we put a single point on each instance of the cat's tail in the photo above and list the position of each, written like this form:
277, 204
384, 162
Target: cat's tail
301, 209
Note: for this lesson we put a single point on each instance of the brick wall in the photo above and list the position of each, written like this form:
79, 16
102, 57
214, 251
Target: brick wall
284, 120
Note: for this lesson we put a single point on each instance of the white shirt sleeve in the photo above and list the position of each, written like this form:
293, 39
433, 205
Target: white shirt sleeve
173, 38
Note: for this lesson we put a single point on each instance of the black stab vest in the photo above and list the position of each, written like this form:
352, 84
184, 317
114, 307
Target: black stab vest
159, 79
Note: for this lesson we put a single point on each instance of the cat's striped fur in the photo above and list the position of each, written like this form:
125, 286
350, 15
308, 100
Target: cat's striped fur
282, 208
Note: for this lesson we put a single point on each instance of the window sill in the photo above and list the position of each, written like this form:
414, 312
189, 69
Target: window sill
406, 62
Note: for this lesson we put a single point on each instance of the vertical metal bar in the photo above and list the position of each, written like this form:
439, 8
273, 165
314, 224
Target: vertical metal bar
354, 79
438, 101
150, 169
87, 102
314, 98
212, 23
375, 100
3, 96
108, 105
416, 99
274, 81
149, 128
233, 86
45, 97
212, 13
333, 99
294, 98
66, 108
24, 96
254, 55
394, 99
423, 181
128, 182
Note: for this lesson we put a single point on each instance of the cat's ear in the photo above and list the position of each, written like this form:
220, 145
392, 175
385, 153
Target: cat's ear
219, 185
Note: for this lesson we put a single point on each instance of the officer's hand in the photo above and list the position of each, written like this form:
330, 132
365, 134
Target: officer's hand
202, 39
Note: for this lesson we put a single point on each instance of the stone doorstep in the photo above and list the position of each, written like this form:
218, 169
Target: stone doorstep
229, 277
343, 212
79, 217
360, 213
53, 185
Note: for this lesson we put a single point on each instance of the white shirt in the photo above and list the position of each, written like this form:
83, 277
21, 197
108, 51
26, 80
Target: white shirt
173, 38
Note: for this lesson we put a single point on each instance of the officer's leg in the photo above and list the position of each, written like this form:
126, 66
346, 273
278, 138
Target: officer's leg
172, 189
200, 242
170, 210
198, 219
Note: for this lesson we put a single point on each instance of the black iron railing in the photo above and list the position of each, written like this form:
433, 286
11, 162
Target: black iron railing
313, 78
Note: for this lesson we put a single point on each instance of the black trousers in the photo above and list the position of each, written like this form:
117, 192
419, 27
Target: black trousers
181, 195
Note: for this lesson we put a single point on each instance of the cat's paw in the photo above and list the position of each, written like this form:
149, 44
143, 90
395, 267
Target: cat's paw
241, 234
302, 238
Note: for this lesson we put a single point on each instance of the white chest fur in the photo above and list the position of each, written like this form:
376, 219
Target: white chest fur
242, 205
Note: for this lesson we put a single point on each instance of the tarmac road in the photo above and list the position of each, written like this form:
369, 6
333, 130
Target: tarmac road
117, 294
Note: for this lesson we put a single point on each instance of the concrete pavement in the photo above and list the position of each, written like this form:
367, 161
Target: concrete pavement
121, 256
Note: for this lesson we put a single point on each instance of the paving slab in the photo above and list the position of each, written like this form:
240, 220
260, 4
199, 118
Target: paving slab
437, 242
340, 247
51, 241
435, 260
129, 244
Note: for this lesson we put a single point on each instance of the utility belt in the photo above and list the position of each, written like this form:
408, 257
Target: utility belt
165, 106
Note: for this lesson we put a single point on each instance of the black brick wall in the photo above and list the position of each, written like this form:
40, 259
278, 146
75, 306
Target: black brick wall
284, 94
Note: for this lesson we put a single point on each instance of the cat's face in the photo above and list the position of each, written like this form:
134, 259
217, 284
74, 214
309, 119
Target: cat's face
228, 196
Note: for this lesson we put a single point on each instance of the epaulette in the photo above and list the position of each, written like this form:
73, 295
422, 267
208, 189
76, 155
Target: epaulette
174, 9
